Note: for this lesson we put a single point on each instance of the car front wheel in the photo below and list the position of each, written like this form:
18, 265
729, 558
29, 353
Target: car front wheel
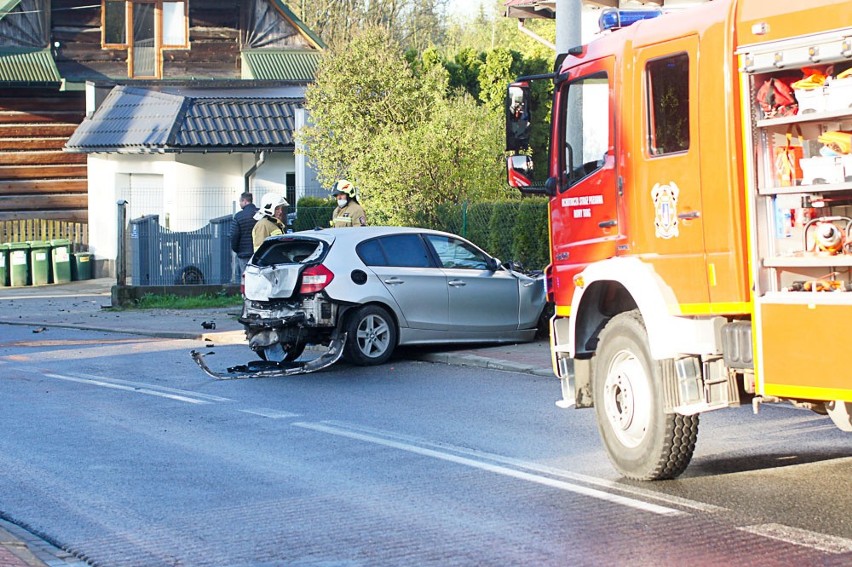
371, 336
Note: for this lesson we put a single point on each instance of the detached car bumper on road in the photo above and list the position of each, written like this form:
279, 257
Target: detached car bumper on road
384, 287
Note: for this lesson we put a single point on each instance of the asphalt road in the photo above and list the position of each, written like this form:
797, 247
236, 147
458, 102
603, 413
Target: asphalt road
120, 450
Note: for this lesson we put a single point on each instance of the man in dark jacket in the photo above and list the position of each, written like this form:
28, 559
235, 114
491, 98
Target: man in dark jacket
241, 228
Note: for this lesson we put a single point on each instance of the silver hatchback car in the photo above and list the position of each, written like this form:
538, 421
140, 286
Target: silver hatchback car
384, 287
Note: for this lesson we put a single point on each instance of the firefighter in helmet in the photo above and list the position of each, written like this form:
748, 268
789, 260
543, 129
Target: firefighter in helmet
349, 211
270, 218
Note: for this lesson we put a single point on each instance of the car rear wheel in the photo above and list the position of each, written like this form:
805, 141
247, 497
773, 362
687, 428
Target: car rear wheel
371, 336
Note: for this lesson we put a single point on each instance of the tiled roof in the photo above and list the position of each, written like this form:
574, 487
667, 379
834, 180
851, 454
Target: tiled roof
137, 120
237, 122
22, 67
291, 65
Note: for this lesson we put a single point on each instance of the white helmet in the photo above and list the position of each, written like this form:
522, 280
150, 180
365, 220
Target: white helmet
269, 203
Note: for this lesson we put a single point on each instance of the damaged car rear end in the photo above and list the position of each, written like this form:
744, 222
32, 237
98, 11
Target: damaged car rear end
284, 308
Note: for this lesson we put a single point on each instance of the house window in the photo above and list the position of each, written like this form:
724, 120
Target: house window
145, 28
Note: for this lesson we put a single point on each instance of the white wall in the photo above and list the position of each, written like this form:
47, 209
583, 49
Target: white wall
195, 189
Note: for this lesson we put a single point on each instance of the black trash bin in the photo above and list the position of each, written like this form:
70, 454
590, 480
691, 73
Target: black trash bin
81, 266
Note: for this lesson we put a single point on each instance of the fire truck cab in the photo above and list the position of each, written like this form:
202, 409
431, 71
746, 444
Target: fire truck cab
684, 271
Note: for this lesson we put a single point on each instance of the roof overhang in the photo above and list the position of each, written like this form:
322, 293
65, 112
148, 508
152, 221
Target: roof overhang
523, 9
134, 120
22, 67
280, 64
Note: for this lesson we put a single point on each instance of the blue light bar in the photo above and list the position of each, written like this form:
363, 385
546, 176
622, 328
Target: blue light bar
613, 19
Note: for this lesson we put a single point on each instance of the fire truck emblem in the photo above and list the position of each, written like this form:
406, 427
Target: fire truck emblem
665, 210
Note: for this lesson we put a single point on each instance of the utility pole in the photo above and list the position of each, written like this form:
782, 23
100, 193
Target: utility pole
568, 24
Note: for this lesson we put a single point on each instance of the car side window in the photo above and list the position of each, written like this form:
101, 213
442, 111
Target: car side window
371, 253
405, 250
454, 253
401, 250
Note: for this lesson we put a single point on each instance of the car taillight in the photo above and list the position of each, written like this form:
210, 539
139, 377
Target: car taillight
315, 278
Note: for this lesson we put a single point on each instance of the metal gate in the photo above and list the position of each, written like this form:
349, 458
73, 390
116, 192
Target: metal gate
162, 257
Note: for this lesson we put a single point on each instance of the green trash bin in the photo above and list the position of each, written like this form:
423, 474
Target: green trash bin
60, 260
19, 263
4, 264
39, 262
81, 266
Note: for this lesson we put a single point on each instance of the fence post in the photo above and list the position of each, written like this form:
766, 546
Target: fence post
464, 219
120, 258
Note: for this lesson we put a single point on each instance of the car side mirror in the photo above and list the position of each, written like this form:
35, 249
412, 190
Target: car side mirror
493, 264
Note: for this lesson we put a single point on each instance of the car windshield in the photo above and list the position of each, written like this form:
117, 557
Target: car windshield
295, 251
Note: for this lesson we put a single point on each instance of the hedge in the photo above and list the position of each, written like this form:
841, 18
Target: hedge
508, 230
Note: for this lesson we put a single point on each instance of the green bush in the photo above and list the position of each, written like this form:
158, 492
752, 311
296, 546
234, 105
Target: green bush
478, 222
509, 230
530, 236
313, 212
500, 232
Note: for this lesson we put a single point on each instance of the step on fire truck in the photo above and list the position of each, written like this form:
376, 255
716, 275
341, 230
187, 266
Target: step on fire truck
700, 186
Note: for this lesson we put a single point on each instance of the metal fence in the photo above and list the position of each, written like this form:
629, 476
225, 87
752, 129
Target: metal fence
509, 230
162, 257
186, 240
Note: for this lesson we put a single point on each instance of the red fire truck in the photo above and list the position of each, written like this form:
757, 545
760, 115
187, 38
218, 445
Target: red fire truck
700, 186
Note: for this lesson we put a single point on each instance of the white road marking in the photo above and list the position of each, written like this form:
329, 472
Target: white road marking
498, 469
536, 467
134, 389
270, 413
803, 538
203, 396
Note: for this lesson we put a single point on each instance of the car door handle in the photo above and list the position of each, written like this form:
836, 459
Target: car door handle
394, 281
690, 215
607, 223
456, 283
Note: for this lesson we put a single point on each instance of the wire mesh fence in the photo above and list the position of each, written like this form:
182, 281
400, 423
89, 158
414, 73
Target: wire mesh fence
185, 239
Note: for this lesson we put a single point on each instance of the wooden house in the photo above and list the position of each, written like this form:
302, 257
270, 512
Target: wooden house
60, 60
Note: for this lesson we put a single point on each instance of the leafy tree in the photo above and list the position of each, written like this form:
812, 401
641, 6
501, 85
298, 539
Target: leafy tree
394, 134
413, 23
362, 90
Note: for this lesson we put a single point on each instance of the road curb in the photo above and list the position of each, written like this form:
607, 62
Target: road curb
481, 362
25, 549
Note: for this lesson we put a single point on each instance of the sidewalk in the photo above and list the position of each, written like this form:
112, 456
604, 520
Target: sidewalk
20, 548
86, 305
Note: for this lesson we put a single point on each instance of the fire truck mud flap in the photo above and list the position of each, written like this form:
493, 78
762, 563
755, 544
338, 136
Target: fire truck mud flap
268, 369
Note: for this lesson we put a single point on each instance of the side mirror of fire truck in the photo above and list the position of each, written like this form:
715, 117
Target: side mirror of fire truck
517, 107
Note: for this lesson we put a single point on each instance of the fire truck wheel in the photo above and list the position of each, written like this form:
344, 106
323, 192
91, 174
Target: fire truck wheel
642, 441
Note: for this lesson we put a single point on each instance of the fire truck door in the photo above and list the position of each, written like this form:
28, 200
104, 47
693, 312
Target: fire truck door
584, 219
666, 186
